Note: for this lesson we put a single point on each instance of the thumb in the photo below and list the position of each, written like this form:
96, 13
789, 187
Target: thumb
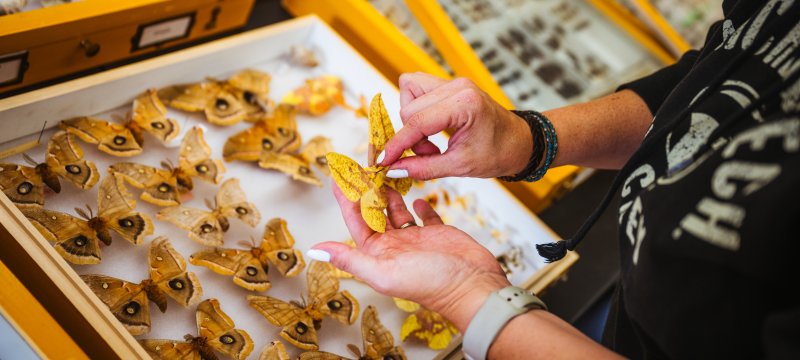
345, 258
426, 167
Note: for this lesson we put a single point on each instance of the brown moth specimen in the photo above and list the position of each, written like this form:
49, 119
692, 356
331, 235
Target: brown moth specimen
242, 97
274, 143
208, 227
216, 333
130, 302
378, 342
274, 351
300, 321
78, 240
127, 139
250, 268
24, 185
164, 187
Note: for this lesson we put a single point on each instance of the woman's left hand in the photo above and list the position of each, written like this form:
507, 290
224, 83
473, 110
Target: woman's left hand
436, 265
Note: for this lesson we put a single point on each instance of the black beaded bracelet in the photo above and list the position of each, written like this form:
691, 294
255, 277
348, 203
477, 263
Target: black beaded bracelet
544, 146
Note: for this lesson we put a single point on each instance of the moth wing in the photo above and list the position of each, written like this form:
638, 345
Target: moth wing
283, 124
278, 245
195, 157
298, 328
74, 239
113, 139
224, 108
65, 158
380, 124
186, 97
349, 175
378, 341
127, 301
232, 202
246, 145
274, 351
342, 307
168, 272
203, 226
401, 185
295, 166
320, 355
115, 207
314, 153
251, 80
150, 114
247, 271
22, 184
220, 332
373, 203
160, 186
170, 349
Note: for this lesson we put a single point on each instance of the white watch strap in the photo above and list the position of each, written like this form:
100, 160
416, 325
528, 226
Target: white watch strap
498, 309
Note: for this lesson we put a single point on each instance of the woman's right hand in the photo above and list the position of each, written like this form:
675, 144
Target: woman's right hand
487, 140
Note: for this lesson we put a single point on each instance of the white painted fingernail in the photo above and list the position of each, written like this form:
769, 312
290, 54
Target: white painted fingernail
319, 255
397, 173
381, 156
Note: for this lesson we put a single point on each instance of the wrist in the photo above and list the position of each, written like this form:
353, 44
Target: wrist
461, 305
521, 146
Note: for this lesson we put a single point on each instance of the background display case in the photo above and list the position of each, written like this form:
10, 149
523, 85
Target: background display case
483, 208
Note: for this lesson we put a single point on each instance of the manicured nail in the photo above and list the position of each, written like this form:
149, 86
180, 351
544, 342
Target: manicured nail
319, 255
381, 156
397, 173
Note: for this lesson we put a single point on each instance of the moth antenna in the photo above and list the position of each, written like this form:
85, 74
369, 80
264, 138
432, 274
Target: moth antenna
253, 240
171, 165
354, 350
39, 139
82, 213
209, 204
29, 159
91, 212
243, 243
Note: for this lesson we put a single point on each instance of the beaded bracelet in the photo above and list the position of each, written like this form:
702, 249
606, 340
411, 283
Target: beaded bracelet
545, 145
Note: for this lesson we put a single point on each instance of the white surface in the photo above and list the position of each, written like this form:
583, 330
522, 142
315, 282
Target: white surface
311, 212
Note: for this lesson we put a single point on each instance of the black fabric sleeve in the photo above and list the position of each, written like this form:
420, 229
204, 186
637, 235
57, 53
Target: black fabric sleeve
654, 88
779, 334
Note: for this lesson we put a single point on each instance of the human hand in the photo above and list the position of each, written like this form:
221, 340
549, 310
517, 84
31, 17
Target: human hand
488, 140
436, 265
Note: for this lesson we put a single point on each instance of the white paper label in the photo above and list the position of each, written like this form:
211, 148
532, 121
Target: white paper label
164, 31
9, 70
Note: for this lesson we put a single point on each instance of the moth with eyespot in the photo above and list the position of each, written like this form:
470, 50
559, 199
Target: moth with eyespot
250, 268
299, 320
126, 139
377, 341
274, 143
216, 333
165, 186
130, 302
78, 240
208, 227
24, 185
242, 97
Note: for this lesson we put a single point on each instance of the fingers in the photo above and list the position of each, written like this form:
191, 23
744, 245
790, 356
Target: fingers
426, 147
397, 210
426, 213
413, 85
346, 258
351, 212
430, 121
427, 167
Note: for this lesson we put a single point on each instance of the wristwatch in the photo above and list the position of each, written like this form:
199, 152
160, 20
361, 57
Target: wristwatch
499, 308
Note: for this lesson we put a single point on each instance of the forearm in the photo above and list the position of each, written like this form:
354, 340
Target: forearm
602, 133
539, 334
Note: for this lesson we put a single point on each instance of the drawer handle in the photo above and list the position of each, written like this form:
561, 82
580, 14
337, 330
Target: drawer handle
89, 48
